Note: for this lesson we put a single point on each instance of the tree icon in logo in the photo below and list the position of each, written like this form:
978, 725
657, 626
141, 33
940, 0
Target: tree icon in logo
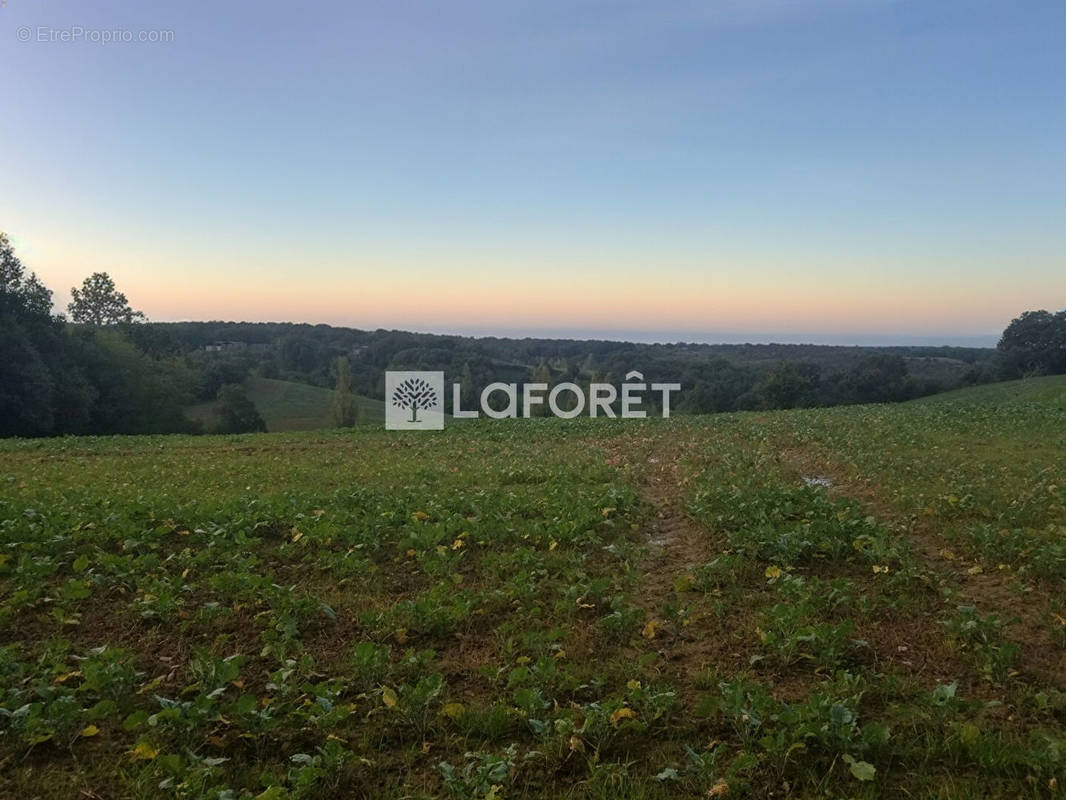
415, 394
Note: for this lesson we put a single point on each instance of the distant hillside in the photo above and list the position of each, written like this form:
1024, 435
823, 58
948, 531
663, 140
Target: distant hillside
379, 346
723, 377
714, 377
289, 406
1049, 390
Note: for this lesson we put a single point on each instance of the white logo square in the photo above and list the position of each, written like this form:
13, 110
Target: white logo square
414, 400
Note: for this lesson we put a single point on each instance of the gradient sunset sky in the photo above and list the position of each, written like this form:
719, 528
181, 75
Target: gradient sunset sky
795, 170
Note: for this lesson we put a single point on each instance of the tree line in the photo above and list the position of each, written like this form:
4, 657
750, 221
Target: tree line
102, 368
94, 372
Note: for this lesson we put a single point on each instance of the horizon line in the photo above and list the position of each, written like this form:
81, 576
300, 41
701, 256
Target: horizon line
662, 337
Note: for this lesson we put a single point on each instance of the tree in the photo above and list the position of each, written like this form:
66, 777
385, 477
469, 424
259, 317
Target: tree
1035, 342
59, 379
415, 394
18, 294
876, 379
26, 385
215, 370
790, 385
99, 303
235, 412
467, 391
345, 409
11, 270
136, 393
27, 375
301, 352
541, 374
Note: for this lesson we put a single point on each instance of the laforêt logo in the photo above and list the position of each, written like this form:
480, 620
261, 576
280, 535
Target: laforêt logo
415, 400
415, 393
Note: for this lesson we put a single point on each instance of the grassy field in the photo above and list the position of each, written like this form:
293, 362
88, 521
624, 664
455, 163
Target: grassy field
850, 602
288, 406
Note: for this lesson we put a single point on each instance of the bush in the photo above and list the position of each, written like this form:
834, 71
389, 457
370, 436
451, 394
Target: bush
236, 413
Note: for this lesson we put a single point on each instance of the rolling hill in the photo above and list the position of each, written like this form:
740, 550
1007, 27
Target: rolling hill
1047, 390
290, 406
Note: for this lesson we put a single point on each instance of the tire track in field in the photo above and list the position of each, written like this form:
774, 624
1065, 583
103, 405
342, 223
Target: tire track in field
1040, 655
680, 544
677, 545
676, 541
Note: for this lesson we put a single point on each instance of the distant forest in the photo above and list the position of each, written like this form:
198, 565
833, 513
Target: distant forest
713, 377
103, 368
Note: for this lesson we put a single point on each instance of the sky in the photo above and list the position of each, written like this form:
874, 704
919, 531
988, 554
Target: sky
863, 171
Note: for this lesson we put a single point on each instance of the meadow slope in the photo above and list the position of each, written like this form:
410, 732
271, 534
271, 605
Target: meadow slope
290, 406
851, 602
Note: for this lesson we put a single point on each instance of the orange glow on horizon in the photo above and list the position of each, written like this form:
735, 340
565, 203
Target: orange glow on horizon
724, 292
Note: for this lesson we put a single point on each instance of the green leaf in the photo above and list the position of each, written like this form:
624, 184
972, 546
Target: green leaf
246, 704
102, 709
135, 720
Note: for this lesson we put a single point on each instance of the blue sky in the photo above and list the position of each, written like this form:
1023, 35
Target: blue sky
826, 170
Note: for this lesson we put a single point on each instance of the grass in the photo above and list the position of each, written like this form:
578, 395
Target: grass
1048, 390
851, 602
289, 406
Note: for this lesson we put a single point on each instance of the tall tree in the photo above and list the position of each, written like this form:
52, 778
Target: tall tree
11, 269
467, 390
1035, 342
99, 302
27, 375
21, 295
345, 409
541, 374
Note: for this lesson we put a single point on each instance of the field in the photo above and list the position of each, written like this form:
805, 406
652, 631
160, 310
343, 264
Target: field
289, 406
853, 602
